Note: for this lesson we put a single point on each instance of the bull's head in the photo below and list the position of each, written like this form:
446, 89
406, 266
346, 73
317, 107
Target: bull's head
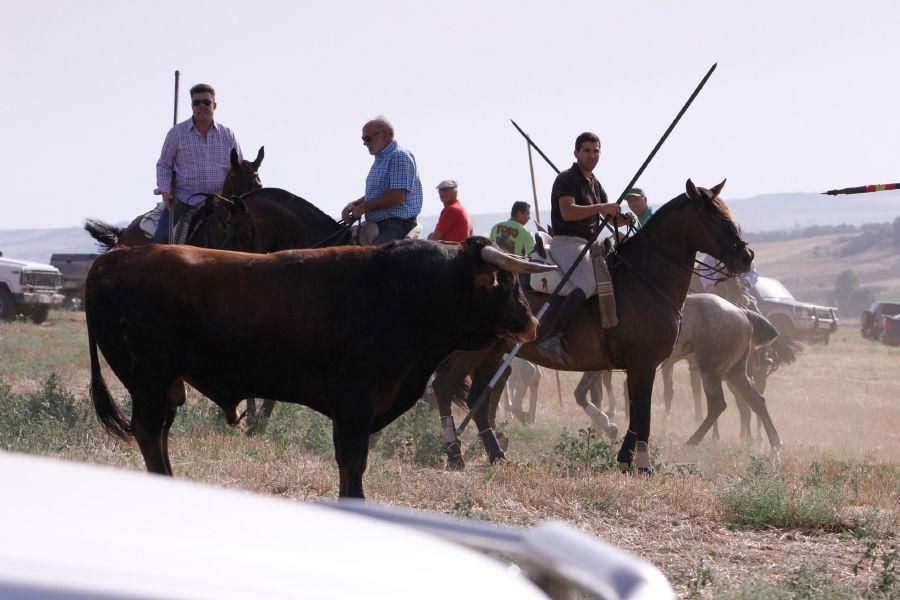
499, 305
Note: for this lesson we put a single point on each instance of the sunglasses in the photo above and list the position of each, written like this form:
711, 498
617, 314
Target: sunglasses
368, 138
204, 102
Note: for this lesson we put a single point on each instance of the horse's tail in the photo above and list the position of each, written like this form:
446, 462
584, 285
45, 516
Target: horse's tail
763, 331
107, 410
107, 235
786, 350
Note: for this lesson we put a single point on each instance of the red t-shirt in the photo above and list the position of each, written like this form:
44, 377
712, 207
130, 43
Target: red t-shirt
454, 224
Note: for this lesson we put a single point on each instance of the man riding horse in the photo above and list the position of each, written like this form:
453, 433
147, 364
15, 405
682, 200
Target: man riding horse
577, 201
194, 161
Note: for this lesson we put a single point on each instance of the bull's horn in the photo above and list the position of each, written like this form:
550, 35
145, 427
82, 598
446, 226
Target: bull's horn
513, 264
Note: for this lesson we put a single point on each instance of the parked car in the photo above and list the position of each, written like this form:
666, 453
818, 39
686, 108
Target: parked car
28, 288
74, 269
873, 320
82, 531
792, 318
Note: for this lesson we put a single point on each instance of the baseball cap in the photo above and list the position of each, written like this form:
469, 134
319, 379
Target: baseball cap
636, 193
447, 184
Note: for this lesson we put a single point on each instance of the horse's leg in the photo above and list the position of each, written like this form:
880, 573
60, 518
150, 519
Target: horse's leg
696, 391
599, 420
493, 403
485, 416
607, 383
447, 378
668, 387
515, 390
737, 376
743, 410
635, 446
533, 385
715, 404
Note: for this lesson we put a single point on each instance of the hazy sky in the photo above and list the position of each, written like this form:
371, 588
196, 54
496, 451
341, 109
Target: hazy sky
804, 98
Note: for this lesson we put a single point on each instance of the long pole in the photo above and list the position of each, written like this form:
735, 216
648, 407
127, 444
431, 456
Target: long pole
512, 353
174, 123
537, 211
865, 189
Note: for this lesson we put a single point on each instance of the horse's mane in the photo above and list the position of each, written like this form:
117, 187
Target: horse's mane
299, 207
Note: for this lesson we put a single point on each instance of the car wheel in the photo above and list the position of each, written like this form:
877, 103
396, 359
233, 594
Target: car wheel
39, 315
7, 305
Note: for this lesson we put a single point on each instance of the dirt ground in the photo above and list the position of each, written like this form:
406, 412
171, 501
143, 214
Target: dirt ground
837, 407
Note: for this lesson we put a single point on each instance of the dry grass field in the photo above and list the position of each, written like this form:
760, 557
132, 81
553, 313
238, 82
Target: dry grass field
724, 520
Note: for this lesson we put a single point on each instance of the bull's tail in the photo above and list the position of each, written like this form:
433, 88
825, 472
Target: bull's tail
107, 235
764, 332
107, 410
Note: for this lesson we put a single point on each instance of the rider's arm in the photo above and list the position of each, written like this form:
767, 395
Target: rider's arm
165, 167
574, 212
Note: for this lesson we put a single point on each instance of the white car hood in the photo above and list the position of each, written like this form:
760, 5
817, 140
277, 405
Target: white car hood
26, 264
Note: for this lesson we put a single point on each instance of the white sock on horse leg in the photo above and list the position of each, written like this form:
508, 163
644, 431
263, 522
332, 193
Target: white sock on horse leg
642, 455
598, 417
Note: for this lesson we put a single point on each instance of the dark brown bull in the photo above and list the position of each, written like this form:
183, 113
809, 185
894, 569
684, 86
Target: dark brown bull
354, 333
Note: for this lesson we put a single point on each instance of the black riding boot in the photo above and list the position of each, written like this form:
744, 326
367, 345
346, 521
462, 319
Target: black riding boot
551, 345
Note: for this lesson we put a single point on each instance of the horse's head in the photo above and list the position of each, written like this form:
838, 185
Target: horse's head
243, 176
240, 231
715, 231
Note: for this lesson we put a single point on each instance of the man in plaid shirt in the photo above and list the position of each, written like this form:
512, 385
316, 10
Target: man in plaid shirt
393, 197
197, 152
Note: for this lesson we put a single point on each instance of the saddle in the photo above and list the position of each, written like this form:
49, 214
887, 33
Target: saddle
545, 283
189, 222
364, 233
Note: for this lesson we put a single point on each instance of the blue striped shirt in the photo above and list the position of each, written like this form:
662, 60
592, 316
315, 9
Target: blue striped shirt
200, 165
394, 169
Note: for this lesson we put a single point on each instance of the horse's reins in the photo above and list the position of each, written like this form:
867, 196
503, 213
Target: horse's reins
342, 228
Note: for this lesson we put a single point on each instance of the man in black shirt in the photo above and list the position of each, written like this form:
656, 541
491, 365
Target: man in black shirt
577, 202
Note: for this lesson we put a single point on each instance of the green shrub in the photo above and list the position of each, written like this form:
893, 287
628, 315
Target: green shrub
764, 497
44, 421
414, 436
584, 450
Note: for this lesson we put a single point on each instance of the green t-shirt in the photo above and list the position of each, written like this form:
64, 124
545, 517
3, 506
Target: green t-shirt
512, 237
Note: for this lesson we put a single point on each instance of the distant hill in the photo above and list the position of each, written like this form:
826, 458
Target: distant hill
767, 212
772, 212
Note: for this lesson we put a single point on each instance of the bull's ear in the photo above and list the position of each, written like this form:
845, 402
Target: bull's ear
717, 189
691, 190
235, 163
259, 157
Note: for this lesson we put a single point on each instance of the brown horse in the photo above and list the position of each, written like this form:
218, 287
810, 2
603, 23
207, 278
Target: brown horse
651, 273
243, 177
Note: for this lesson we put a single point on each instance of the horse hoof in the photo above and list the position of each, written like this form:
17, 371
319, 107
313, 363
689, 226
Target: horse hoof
500, 459
612, 432
647, 471
625, 467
